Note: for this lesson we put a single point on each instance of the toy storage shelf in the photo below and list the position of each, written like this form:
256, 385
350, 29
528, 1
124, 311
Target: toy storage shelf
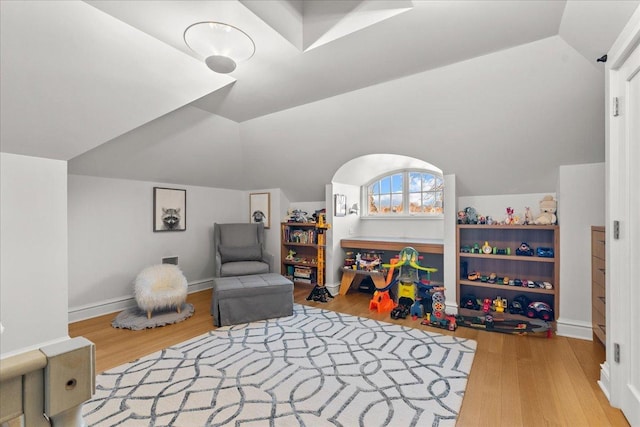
509, 257
302, 238
533, 268
507, 288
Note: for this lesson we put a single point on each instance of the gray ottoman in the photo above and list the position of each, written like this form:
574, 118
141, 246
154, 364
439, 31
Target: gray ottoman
243, 299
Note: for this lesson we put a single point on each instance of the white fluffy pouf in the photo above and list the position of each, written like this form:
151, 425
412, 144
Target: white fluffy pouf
159, 287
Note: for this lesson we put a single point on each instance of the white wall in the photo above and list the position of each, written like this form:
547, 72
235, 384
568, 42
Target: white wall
342, 227
33, 252
449, 257
483, 119
111, 238
581, 200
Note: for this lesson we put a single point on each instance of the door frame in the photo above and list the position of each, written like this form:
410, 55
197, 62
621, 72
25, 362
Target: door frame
614, 376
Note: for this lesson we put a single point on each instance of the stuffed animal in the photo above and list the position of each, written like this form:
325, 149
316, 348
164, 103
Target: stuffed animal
528, 217
509, 219
547, 211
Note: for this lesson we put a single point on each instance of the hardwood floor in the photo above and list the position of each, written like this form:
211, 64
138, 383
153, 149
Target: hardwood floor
514, 381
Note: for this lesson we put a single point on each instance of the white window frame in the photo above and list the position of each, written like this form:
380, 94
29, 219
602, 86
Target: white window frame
405, 214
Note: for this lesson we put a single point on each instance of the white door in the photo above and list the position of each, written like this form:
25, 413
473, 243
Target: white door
625, 250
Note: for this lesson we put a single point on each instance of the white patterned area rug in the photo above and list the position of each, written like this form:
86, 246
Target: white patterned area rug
316, 368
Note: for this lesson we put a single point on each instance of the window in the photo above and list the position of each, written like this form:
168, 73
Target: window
405, 193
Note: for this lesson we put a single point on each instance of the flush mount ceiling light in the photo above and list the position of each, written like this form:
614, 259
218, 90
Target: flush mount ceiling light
221, 45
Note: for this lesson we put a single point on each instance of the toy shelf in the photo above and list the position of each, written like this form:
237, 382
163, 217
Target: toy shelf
534, 268
308, 245
306, 240
508, 257
507, 288
303, 263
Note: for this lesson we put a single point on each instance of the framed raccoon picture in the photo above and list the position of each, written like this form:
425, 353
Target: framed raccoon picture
259, 208
169, 209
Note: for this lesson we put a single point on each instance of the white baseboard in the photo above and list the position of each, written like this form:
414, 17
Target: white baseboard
605, 381
451, 307
574, 329
113, 305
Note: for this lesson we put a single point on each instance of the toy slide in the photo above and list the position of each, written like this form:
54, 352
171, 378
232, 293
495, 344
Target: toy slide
534, 327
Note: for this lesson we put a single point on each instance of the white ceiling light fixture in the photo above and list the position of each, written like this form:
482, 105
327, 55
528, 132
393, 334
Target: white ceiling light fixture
221, 45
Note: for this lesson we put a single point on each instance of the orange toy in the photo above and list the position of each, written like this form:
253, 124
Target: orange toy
382, 302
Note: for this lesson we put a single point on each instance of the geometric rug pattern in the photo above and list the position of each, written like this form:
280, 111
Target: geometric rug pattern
315, 368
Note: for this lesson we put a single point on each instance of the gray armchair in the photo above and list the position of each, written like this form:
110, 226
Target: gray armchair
239, 250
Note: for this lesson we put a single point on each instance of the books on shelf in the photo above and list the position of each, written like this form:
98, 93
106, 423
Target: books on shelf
303, 274
293, 235
301, 271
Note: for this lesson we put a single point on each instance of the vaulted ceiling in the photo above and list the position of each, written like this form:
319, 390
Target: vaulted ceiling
102, 82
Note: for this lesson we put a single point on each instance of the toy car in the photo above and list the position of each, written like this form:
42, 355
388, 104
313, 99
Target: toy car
505, 251
475, 249
519, 304
469, 301
400, 312
541, 310
486, 305
473, 276
524, 249
465, 249
544, 252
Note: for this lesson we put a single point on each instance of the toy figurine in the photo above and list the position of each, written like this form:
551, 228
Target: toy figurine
499, 304
528, 217
524, 250
509, 220
472, 216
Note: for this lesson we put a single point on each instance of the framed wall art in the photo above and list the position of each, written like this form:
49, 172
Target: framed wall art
260, 208
340, 204
169, 209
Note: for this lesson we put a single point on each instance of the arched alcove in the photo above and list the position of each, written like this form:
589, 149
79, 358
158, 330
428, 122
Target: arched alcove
361, 169
348, 180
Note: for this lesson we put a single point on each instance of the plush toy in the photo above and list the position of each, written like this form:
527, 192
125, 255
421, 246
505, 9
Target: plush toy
509, 218
528, 217
547, 211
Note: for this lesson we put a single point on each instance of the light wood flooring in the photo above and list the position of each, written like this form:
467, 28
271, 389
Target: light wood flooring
514, 381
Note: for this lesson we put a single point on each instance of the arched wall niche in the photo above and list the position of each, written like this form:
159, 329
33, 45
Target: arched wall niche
364, 168
347, 181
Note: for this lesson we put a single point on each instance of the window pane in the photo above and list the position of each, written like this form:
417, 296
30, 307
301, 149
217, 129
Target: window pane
428, 182
428, 199
397, 183
415, 202
374, 204
374, 188
385, 185
415, 181
396, 203
384, 205
439, 184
